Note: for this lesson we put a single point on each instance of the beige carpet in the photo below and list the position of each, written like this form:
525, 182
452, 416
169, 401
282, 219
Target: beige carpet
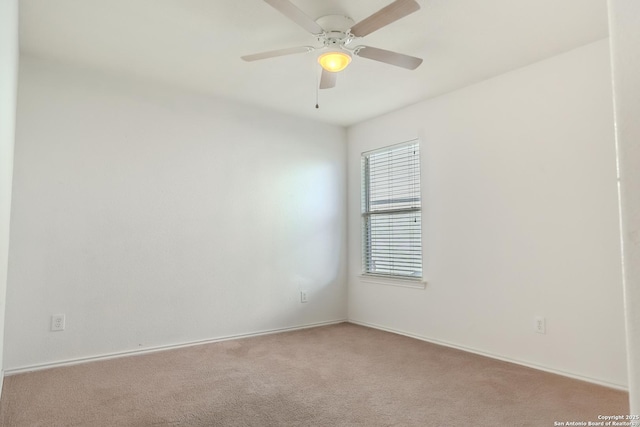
340, 375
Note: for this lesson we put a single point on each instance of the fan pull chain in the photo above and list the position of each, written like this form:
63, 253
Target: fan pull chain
317, 84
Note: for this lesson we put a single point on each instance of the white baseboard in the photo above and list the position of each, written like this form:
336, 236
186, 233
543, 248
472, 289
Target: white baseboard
137, 352
493, 356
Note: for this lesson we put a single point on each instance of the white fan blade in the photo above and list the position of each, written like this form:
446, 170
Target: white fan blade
289, 10
389, 57
279, 52
385, 16
328, 79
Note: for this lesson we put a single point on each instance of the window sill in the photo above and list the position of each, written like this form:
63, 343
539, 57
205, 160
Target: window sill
393, 281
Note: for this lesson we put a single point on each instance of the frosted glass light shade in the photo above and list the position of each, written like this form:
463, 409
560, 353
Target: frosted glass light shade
334, 61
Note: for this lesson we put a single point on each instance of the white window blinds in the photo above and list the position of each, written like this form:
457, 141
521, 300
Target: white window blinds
391, 211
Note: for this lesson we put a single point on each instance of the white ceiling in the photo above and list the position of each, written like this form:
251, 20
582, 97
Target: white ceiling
197, 44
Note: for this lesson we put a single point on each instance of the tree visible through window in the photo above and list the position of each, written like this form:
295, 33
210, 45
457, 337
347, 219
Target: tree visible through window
391, 211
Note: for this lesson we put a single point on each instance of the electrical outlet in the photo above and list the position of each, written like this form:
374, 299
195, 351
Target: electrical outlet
539, 325
303, 296
57, 322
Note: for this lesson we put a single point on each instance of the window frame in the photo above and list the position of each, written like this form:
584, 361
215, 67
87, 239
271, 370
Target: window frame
367, 213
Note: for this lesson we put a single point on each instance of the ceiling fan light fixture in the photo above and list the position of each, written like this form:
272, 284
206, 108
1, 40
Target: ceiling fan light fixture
334, 61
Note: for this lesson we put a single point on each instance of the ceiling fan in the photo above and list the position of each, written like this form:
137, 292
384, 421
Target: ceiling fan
337, 32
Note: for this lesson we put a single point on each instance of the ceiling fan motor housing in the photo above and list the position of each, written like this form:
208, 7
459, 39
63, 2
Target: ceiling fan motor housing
336, 30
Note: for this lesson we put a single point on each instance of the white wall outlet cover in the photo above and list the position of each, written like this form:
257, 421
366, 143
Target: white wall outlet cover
57, 322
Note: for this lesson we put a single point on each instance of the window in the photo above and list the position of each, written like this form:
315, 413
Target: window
391, 211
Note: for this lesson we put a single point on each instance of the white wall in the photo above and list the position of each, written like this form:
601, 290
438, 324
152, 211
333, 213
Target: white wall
153, 217
624, 18
8, 86
520, 219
